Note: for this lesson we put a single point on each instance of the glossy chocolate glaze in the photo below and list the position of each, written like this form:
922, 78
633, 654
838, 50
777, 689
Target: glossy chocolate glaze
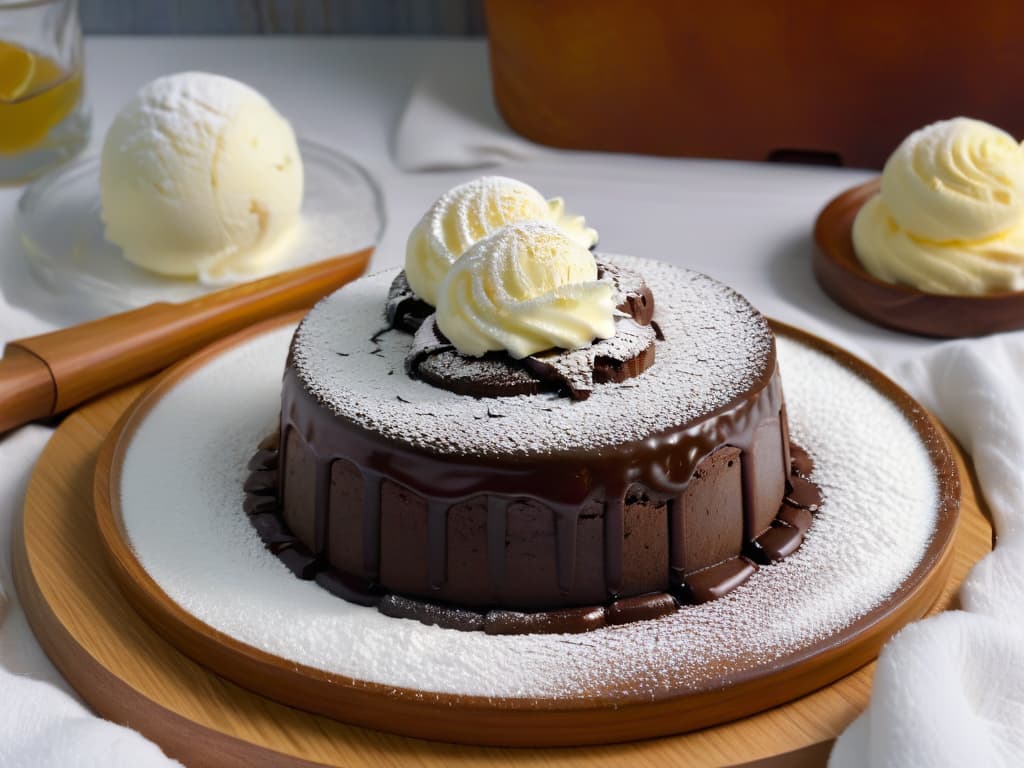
662, 464
782, 538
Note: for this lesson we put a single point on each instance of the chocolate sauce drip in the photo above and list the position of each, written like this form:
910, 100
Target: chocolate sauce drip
255, 504
803, 493
778, 543
349, 587
677, 552
747, 471
371, 522
437, 534
802, 463
299, 561
568, 621
784, 537
263, 500
640, 608
567, 520
323, 504
271, 530
262, 507
497, 521
614, 532
425, 612
264, 458
261, 482
718, 580
795, 517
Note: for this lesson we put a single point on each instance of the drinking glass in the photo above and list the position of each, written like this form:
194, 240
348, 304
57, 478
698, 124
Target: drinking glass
44, 119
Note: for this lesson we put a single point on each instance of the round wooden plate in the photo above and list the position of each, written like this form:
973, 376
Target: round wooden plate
841, 275
129, 671
657, 705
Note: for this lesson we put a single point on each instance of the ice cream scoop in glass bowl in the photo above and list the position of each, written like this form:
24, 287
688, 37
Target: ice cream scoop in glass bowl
200, 184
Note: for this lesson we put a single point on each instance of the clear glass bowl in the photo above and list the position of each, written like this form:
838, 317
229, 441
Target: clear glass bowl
62, 234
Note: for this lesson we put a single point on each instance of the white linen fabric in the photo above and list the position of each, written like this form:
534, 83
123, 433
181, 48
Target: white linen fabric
950, 690
42, 722
47, 728
452, 122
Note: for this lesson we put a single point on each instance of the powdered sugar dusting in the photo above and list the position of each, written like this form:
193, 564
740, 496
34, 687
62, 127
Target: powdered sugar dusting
181, 110
715, 345
182, 500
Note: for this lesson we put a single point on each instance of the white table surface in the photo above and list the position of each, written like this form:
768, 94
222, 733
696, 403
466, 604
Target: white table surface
748, 225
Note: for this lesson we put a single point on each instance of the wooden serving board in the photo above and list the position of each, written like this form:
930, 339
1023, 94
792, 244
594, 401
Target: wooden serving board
129, 673
658, 701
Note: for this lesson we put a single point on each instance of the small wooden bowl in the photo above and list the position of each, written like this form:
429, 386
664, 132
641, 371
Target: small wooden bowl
841, 275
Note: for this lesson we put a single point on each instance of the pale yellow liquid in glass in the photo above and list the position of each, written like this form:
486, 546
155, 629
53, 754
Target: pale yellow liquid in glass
50, 96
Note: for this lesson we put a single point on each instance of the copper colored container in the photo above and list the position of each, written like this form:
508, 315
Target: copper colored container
790, 79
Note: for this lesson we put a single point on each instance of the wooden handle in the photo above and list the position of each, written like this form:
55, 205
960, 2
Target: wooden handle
27, 391
47, 374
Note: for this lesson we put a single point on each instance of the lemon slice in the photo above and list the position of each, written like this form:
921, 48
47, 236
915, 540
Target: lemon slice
17, 69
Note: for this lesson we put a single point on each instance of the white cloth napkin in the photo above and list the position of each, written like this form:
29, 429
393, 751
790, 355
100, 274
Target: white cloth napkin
49, 728
451, 122
949, 690
42, 723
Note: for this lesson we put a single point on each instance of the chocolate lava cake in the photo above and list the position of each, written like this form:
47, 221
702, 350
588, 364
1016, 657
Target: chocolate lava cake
557, 493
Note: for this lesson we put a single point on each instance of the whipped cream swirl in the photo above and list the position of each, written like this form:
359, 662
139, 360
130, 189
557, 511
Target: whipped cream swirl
950, 216
526, 288
471, 211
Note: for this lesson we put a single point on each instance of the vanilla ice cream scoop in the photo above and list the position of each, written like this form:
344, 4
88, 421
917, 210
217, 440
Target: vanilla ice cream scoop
525, 288
201, 177
950, 215
470, 212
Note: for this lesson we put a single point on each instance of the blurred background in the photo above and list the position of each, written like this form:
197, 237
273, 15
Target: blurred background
253, 17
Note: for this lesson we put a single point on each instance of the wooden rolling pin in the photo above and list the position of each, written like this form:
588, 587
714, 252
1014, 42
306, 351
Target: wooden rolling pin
46, 375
